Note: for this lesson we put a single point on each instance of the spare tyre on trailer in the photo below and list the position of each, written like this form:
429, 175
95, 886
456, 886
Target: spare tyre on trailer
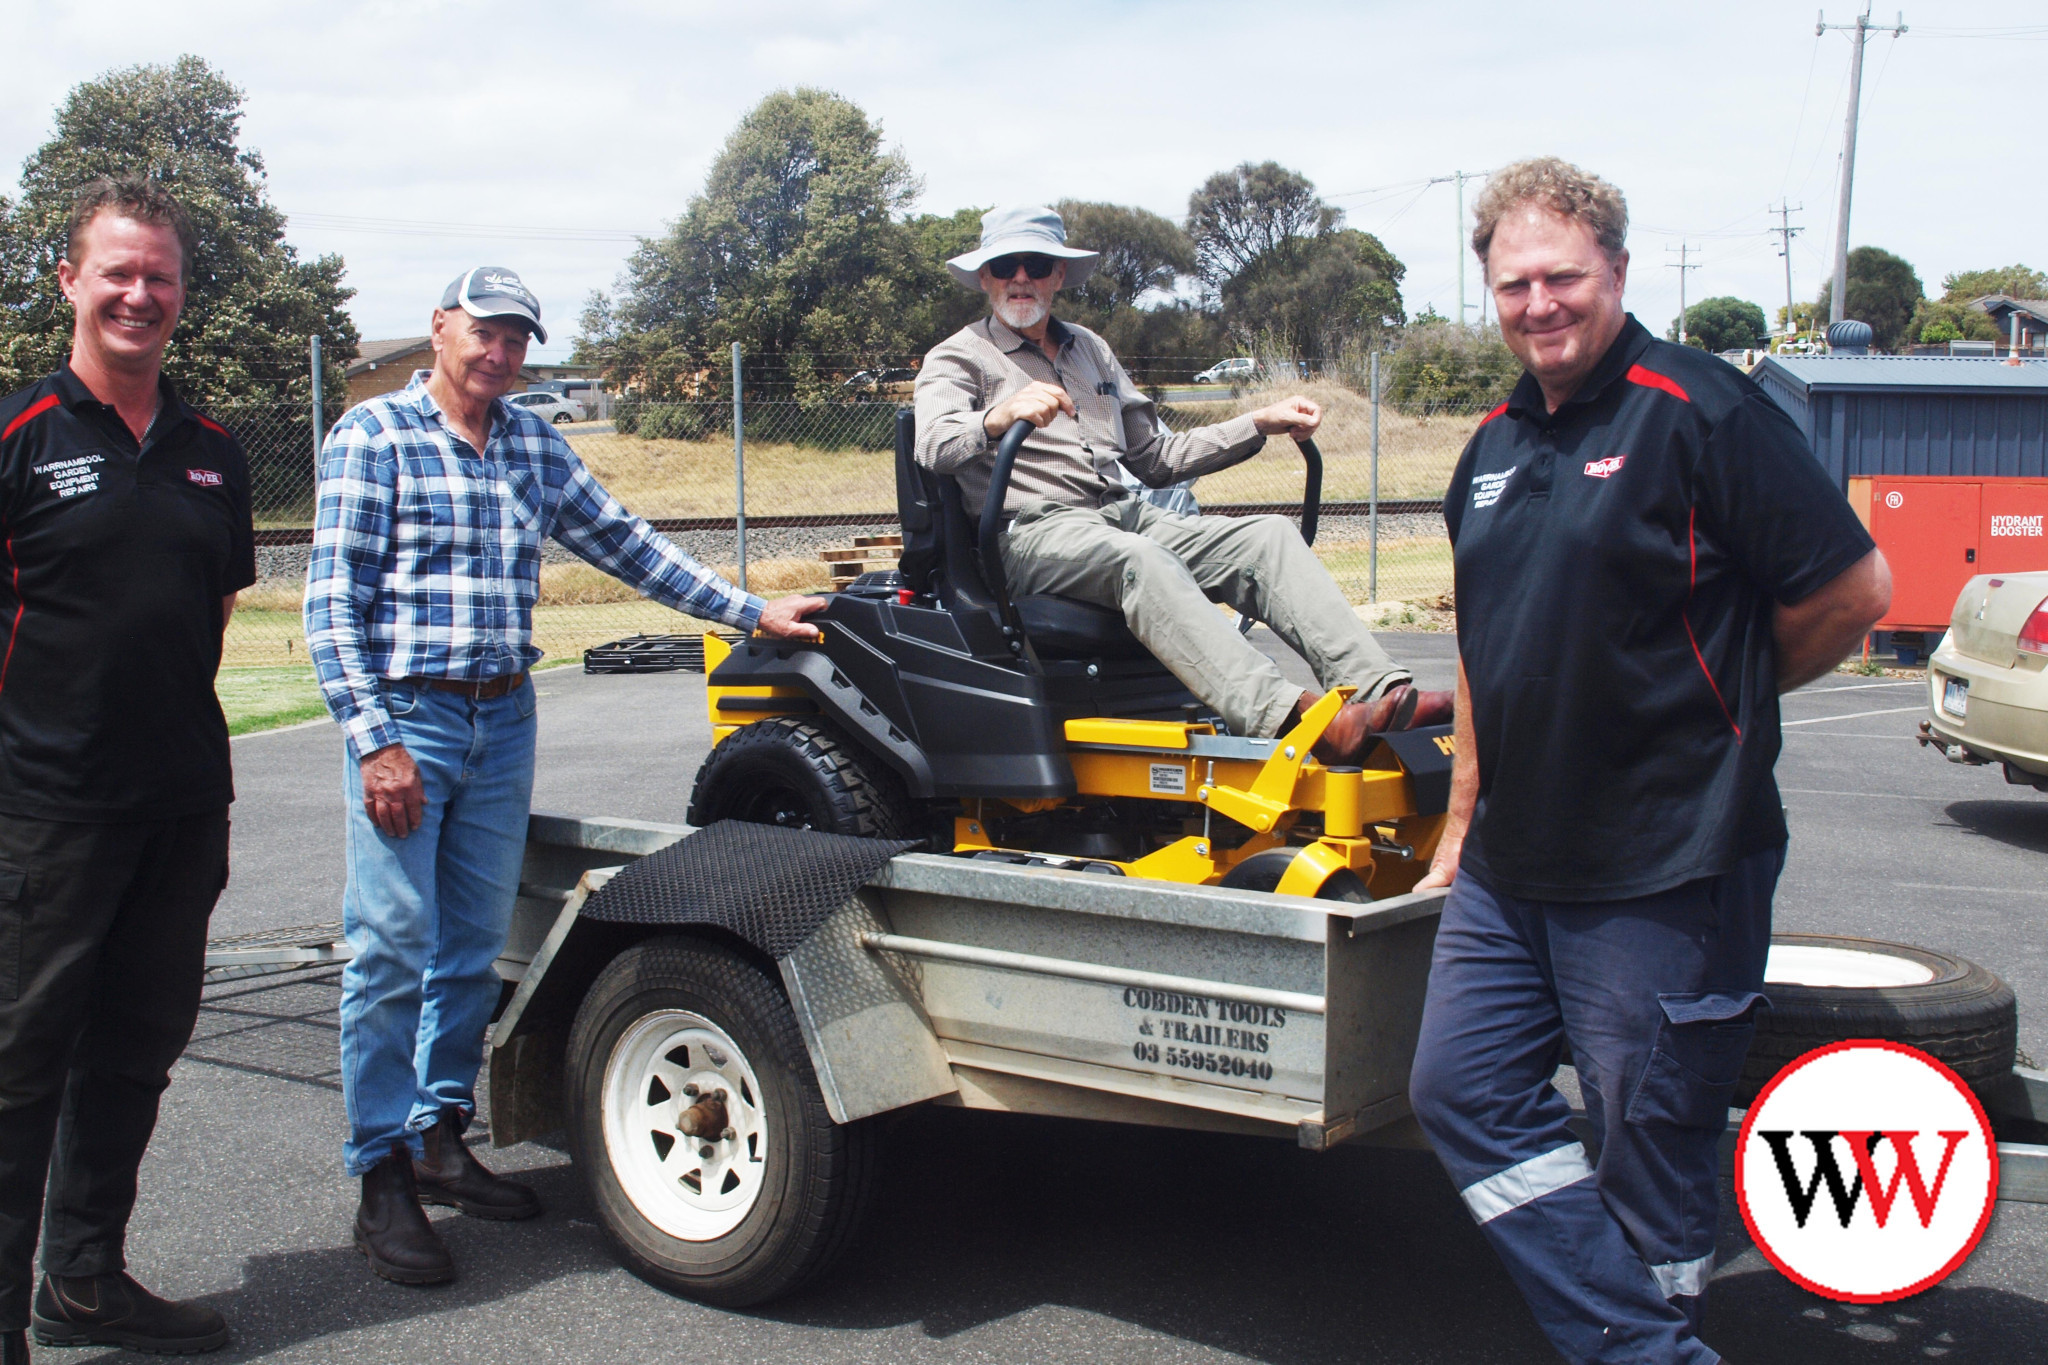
1824, 989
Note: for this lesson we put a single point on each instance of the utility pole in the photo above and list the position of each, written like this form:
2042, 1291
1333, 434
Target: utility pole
1458, 178
1786, 232
1681, 265
1859, 34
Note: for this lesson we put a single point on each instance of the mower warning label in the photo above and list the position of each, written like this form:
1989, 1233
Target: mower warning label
1169, 779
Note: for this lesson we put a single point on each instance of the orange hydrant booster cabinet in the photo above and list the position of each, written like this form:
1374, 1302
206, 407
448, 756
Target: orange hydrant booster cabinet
1939, 533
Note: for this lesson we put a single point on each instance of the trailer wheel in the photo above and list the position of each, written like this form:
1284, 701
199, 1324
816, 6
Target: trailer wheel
800, 775
1825, 989
765, 1199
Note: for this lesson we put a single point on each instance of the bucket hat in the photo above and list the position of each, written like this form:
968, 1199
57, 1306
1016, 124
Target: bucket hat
492, 291
1024, 229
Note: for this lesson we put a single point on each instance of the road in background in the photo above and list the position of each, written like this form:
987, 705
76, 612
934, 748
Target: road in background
1001, 1237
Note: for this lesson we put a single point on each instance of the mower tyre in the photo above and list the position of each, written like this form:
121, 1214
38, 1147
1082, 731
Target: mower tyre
1263, 871
1825, 989
801, 775
682, 1032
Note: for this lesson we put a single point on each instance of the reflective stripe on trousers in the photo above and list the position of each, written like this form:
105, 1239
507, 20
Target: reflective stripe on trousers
1532, 1179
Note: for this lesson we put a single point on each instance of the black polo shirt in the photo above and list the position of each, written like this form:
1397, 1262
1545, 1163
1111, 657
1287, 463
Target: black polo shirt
116, 557
1617, 567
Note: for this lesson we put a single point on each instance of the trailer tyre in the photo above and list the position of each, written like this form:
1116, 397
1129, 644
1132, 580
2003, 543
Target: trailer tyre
774, 1191
1824, 989
801, 775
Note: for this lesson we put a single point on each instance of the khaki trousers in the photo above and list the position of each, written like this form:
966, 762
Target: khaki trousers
1163, 572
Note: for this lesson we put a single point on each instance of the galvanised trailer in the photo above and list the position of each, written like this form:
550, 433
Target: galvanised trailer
716, 1075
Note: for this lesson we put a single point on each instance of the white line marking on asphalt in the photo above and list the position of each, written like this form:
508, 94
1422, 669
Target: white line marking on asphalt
1886, 796
1853, 715
284, 729
1990, 890
1845, 734
1811, 691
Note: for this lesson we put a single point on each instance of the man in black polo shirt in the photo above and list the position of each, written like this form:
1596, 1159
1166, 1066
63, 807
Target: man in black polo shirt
1647, 555
125, 521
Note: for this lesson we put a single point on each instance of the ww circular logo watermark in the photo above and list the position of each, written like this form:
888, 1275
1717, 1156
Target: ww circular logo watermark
1866, 1171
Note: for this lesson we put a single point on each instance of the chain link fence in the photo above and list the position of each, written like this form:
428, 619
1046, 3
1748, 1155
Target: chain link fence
820, 480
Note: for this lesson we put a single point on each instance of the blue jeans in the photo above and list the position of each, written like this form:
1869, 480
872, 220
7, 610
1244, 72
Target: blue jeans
427, 915
1656, 995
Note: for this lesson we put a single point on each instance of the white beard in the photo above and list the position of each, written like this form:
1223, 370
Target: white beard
1020, 314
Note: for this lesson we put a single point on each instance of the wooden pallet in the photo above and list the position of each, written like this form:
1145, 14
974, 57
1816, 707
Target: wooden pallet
867, 554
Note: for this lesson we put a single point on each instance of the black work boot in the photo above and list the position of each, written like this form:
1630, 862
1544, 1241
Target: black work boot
13, 1348
113, 1310
452, 1175
392, 1229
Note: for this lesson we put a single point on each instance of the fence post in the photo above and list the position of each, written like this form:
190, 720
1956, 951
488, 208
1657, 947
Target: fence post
319, 417
739, 466
1372, 514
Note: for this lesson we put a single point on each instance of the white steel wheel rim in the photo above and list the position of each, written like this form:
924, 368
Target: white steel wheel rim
1810, 964
687, 1194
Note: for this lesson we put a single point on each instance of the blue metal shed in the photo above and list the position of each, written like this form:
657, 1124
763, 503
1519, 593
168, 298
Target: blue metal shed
1960, 416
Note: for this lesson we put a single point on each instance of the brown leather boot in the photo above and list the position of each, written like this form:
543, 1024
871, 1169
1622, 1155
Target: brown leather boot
1431, 708
452, 1175
1349, 732
113, 1310
392, 1229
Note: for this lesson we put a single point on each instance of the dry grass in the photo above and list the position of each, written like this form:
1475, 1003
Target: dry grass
695, 478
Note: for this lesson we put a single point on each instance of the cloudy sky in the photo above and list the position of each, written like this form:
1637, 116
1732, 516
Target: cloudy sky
417, 137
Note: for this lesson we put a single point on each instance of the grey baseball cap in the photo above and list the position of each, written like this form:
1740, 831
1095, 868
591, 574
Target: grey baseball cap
492, 291
1032, 230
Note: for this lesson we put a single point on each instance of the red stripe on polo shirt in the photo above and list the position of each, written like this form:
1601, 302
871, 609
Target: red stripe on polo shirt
1650, 379
30, 413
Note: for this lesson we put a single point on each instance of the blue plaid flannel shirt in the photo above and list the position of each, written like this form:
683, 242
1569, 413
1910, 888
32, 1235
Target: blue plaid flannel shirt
426, 559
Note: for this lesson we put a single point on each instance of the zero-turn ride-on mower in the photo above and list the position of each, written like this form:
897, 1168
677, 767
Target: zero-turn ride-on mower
1038, 730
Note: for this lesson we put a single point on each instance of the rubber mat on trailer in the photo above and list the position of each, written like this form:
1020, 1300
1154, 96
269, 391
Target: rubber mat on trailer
771, 886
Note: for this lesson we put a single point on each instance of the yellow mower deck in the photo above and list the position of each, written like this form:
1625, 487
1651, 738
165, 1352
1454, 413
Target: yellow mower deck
1361, 821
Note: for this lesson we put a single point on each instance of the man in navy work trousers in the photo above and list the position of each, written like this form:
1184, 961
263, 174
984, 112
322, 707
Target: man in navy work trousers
125, 521
433, 503
1647, 555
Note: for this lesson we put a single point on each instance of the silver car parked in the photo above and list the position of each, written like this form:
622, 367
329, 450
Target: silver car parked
1987, 684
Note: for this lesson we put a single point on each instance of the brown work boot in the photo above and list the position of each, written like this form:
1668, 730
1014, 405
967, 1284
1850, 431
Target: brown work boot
452, 1175
1431, 708
113, 1310
392, 1229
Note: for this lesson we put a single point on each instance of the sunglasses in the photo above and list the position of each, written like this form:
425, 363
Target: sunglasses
1036, 266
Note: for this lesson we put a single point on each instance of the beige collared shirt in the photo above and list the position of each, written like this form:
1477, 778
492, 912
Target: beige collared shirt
1071, 460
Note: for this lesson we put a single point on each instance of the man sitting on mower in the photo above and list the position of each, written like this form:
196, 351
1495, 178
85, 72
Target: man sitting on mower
1075, 532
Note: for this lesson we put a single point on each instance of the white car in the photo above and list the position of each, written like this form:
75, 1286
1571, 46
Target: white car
552, 406
1987, 684
1242, 370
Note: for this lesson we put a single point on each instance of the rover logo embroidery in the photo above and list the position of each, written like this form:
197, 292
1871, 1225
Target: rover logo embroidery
1600, 469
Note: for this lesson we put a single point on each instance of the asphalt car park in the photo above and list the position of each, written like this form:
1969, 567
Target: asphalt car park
1003, 1237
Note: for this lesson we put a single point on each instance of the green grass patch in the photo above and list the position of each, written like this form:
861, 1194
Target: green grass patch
265, 698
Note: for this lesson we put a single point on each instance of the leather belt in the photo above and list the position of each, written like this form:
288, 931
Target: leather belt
476, 689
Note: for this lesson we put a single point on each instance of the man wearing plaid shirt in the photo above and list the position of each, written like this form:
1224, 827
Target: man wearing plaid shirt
433, 504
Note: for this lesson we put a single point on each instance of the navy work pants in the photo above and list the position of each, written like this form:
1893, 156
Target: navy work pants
1655, 996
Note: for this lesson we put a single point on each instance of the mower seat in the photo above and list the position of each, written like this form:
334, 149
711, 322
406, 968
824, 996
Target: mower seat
939, 557
1068, 628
